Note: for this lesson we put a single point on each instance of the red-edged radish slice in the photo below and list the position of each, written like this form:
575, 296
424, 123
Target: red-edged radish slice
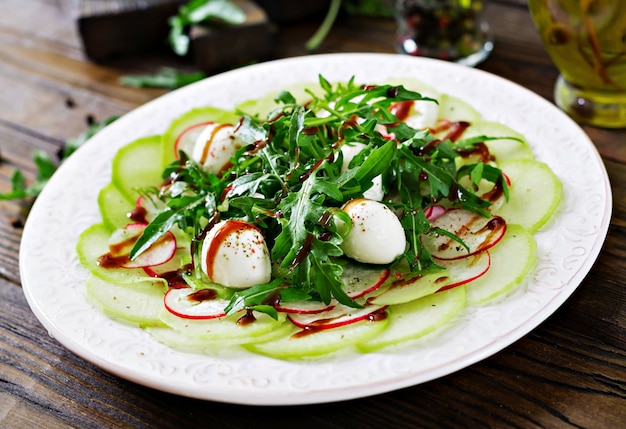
303, 307
139, 213
159, 253
171, 271
404, 287
358, 281
495, 194
123, 240
477, 232
187, 139
340, 315
433, 212
146, 210
189, 304
464, 270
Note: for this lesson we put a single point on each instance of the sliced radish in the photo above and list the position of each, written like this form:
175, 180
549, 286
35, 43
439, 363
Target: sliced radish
171, 271
187, 139
174, 264
146, 210
405, 287
433, 212
464, 270
339, 315
303, 307
159, 253
189, 304
123, 240
358, 280
477, 232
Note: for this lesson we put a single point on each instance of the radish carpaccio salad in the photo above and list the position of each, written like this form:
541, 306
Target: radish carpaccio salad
326, 218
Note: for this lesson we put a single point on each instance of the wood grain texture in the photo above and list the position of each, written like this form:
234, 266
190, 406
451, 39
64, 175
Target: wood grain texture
570, 372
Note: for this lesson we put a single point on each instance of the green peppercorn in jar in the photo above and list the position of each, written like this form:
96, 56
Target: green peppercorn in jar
452, 30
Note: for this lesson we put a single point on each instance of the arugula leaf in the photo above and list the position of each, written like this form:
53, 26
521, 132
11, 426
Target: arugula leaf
297, 209
288, 180
255, 298
327, 274
165, 221
376, 163
439, 179
415, 225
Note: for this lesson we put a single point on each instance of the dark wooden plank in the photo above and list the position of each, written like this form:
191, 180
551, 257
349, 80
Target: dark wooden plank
216, 49
118, 28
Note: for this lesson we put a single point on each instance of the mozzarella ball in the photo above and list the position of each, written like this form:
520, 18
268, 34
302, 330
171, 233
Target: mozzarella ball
376, 237
349, 151
423, 114
234, 254
215, 146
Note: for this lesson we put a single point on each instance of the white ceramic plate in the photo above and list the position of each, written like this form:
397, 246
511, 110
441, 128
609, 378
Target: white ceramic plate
53, 279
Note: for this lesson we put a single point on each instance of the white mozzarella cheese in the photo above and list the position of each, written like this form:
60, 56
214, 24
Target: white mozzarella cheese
423, 114
376, 237
234, 254
215, 146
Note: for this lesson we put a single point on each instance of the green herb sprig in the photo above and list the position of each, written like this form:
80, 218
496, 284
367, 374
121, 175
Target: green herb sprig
46, 166
165, 77
201, 11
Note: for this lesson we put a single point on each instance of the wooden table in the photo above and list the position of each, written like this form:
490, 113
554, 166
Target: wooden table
569, 372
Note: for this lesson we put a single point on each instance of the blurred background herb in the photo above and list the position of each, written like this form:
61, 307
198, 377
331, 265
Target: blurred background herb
46, 166
201, 12
165, 77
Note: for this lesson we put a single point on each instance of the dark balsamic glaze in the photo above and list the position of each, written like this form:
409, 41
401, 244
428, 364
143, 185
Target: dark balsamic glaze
247, 318
109, 261
175, 279
496, 192
496, 224
310, 131
304, 176
479, 149
401, 109
378, 315
138, 215
203, 295
456, 130
303, 251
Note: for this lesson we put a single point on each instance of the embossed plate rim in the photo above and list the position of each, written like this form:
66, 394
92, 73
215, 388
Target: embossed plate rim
53, 280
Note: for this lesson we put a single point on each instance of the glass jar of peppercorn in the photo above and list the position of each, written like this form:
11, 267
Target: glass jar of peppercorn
452, 30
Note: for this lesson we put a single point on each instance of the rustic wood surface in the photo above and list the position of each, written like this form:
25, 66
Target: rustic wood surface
569, 372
